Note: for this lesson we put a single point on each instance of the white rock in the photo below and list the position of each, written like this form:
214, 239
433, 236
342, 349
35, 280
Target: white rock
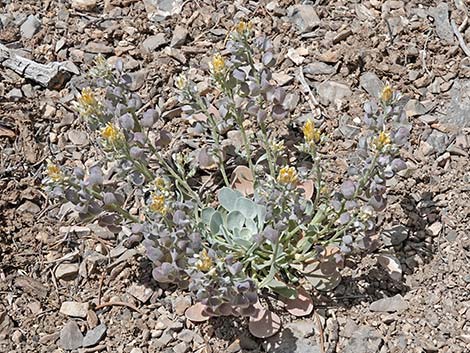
83, 4
74, 309
66, 272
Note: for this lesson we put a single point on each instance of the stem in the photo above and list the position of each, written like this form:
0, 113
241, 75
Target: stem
318, 177
215, 136
269, 154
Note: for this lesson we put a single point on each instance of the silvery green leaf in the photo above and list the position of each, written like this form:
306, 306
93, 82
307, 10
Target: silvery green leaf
282, 289
242, 242
206, 214
247, 207
235, 219
246, 233
261, 213
216, 222
228, 198
251, 225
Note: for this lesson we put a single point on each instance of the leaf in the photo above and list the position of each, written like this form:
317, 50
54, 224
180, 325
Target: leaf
216, 222
228, 198
247, 207
302, 305
242, 180
261, 213
207, 214
282, 289
308, 187
264, 324
195, 313
251, 225
235, 219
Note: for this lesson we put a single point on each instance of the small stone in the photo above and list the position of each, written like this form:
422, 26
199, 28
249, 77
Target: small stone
17, 336
136, 350
98, 48
29, 207
14, 94
70, 336
163, 341
30, 27
180, 348
333, 92
67, 272
74, 309
318, 68
92, 319
342, 36
440, 13
330, 57
140, 292
372, 84
84, 5
234, 347
181, 304
95, 335
180, 35
282, 79
363, 340
416, 108
49, 339
78, 138
296, 55
390, 304
438, 140
49, 111
435, 228
442, 160
304, 17
186, 335
77, 230
152, 43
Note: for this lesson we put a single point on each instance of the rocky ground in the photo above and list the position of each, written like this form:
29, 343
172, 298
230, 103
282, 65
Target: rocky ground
56, 277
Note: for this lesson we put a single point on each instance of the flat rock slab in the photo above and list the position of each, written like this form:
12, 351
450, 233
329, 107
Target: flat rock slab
391, 304
295, 337
70, 336
74, 309
92, 337
458, 111
363, 340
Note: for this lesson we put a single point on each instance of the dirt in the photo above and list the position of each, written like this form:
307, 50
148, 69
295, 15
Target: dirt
405, 43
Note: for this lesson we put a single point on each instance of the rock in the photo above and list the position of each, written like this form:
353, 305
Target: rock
17, 336
297, 55
458, 109
294, 338
372, 84
396, 235
342, 36
29, 207
234, 347
70, 336
363, 340
179, 36
333, 92
136, 350
318, 68
95, 335
415, 107
391, 264
79, 231
282, 79
30, 27
186, 335
304, 17
74, 309
435, 229
140, 292
158, 10
78, 137
14, 94
84, 5
180, 348
181, 303
390, 304
98, 48
152, 43
438, 140
67, 272
440, 13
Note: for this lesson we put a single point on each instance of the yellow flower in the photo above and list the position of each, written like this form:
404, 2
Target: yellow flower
87, 98
243, 26
180, 82
218, 64
160, 183
288, 175
158, 204
382, 140
311, 134
53, 171
110, 133
204, 263
387, 94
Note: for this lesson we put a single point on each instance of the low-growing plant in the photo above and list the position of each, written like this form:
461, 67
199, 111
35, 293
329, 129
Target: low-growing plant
272, 227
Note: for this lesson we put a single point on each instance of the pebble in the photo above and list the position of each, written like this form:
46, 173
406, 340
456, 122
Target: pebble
234, 347
440, 13
304, 17
318, 68
390, 304
364, 340
95, 335
435, 228
74, 309
152, 43
67, 272
372, 84
17, 336
186, 335
136, 350
78, 138
77, 230
180, 34
333, 92
98, 48
30, 27
294, 338
180, 348
29, 207
70, 336
140, 292
14, 94
84, 5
